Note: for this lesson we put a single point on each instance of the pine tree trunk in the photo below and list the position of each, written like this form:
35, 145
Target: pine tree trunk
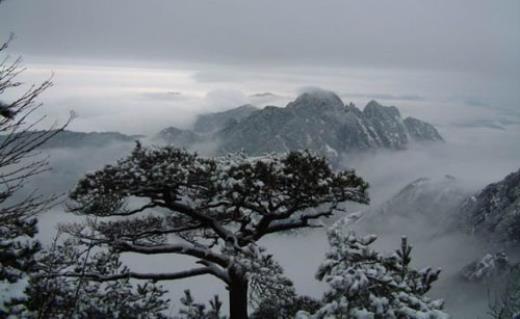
238, 298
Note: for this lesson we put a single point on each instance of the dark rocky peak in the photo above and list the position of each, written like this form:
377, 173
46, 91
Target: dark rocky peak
386, 123
272, 108
508, 189
376, 110
318, 100
267, 113
246, 108
421, 131
212, 122
316, 120
494, 213
352, 108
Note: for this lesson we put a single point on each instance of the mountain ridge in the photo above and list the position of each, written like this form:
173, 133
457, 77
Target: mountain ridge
317, 120
490, 215
494, 212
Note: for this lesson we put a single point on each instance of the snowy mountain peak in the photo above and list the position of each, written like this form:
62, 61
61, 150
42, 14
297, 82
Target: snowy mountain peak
434, 201
374, 109
317, 99
316, 120
212, 122
421, 131
495, 212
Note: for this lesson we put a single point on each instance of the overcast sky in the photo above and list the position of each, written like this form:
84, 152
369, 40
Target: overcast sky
473, 35
111, 58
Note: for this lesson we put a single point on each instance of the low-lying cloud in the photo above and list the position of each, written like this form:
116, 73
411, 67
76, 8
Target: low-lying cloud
144, 100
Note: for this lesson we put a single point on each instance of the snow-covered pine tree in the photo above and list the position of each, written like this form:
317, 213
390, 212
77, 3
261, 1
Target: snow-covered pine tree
193, 310
19, 161
366, 284
272, 308
49, 296
169, 201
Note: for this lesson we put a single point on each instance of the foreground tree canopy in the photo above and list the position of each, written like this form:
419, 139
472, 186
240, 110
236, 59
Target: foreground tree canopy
366, 284
57, 297
214, 210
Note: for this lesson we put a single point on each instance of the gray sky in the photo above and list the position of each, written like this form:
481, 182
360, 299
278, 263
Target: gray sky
458, 60
473, 35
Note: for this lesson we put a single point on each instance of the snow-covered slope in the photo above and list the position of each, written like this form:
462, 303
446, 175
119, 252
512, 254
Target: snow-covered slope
213, 122
494, 213
432, 202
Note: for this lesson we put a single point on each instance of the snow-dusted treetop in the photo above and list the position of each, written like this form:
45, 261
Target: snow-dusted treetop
365, 284
253, 197
211, 209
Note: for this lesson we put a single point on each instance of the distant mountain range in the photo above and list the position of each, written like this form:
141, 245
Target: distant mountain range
214, 122
491, 215
317, 121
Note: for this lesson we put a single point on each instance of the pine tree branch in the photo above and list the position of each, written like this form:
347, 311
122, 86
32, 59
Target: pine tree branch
135, 275
211, 222
301, 222
190, 250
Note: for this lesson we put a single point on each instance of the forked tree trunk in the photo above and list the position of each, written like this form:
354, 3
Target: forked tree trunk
238, 298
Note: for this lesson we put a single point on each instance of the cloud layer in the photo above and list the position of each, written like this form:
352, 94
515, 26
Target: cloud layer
477, 36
